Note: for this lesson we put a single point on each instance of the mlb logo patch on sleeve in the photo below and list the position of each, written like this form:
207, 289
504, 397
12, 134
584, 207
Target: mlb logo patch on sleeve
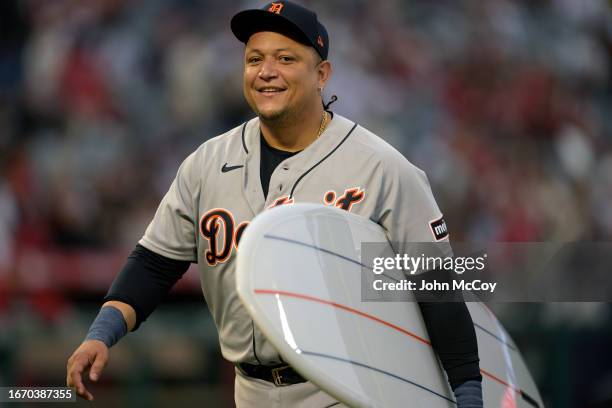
438, 228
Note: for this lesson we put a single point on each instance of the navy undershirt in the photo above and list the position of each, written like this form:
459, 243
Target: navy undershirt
270, 159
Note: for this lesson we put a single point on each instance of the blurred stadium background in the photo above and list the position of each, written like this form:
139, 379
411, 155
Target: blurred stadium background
506, 105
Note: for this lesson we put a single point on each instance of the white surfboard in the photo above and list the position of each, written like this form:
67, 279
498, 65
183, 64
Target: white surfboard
299, 276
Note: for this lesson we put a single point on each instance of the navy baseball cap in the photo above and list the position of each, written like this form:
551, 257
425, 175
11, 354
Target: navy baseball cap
286, 18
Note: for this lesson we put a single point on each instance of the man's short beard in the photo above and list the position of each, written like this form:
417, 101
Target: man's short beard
279, 116
283, 117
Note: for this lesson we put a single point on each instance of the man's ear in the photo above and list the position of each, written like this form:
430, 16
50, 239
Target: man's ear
324, 70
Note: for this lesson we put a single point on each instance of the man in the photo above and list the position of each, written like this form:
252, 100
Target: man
295, 150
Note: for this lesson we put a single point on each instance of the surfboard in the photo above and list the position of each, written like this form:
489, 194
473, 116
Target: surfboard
299, 276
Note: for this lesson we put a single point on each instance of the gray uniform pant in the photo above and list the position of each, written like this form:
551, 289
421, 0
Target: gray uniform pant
254, 393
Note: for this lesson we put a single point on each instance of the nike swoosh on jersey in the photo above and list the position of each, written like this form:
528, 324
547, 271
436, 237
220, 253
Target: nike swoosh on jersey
227, 168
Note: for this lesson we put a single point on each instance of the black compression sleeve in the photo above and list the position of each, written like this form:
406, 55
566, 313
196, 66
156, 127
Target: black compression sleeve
453, 337
145, 280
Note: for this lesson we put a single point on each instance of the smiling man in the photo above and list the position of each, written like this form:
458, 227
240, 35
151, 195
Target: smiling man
294, 150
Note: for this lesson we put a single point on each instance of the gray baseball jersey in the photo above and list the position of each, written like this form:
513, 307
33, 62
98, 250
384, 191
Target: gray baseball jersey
217, 192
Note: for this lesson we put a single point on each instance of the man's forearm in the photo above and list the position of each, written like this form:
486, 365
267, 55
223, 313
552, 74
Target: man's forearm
453, 338
142, 284
128, 312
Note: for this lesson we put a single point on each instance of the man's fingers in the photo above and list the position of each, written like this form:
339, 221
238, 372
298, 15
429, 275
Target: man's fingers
80, 387
88, 396
77, 382
97, 367
79, 363
74, 373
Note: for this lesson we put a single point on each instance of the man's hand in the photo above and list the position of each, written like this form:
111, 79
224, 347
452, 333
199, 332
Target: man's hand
92, 354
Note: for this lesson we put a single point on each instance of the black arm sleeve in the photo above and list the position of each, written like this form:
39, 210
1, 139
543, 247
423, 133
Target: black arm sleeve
453, 337
145, 280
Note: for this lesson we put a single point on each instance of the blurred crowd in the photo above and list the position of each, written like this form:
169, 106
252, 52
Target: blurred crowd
506, 104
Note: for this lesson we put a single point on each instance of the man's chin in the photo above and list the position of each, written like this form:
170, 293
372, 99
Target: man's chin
271, 115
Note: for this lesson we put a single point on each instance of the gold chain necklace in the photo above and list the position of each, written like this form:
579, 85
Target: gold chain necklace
323, 123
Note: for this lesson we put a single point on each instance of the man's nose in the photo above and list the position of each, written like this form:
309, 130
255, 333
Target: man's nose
268, 70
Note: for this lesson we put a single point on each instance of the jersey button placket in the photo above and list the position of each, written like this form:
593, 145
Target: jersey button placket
283, 178
285, 174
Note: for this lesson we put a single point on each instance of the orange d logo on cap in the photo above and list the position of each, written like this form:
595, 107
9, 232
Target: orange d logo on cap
276, 8
320, 41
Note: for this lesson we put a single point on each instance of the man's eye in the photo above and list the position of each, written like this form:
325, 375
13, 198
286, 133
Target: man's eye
286, 58
253, 60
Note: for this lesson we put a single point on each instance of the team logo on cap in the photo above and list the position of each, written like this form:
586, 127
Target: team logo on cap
320, 41
276, 8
